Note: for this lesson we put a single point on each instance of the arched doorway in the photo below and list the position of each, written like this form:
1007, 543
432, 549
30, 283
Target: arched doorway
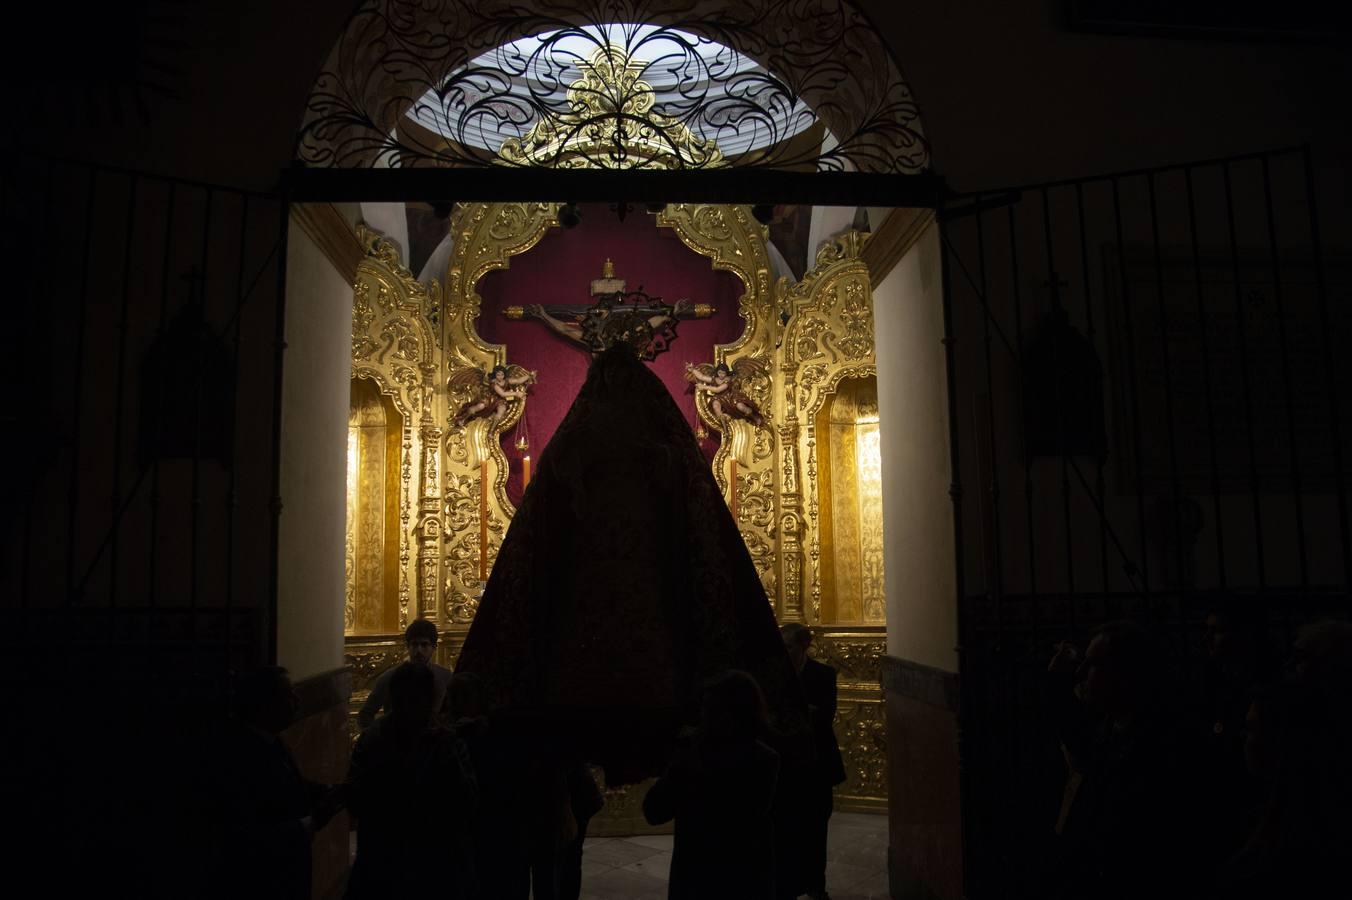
556, 112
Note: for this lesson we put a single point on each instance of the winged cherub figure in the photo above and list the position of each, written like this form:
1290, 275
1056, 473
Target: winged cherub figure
727, 387
490, 393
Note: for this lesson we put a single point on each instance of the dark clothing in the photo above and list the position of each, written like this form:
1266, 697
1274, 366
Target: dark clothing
380, 694
266, 852
554, 829
819, 687
623, 584
586, 800
1124, 833
1229, 798
413, 795
721, 798
804, 799
502, 823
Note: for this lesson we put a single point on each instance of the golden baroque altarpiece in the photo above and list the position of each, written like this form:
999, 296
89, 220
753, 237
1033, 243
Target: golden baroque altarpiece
410, 339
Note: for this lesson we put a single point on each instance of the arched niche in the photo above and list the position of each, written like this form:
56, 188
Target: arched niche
849, 472
371, 553
474, 465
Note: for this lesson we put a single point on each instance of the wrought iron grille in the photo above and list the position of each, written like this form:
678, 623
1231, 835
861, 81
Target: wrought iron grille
139, 517
635, 84
1149, 396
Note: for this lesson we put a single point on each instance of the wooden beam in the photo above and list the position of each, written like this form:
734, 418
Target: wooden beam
898, 232
332, 234
503, 184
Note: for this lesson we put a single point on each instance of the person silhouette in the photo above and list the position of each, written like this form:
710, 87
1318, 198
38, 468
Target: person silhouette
720, 790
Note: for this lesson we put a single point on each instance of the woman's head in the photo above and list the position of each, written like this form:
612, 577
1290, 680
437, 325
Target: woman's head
733, 708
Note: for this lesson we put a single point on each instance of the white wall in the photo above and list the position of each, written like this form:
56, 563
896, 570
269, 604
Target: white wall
913, 408
827, 222
315, 378
439, 263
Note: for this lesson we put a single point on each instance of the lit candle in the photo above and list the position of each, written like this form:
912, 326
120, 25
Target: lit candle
483, 522
525, 472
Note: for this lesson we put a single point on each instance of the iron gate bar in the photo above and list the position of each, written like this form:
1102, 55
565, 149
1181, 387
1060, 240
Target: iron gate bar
45, 244
1175, 483
233, 324
1129, 568
1133, 386
153, 588
1055, 290
1222, 575
279, 351
1280, 301
1289, 150
994, 488
980, 295
73, 483
120, 388
107, 169
124, 503
1090, 334
1242, 334
1330, 375
119, 512
980, 204
955, 495
501, 185
198, 297
1022, 401
232, 488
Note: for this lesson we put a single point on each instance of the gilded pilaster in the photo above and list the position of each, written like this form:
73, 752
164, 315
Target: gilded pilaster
485, 237
734, 242
828, 338
395, 345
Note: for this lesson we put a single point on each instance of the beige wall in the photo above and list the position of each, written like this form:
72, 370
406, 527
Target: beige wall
913, 408
315, 379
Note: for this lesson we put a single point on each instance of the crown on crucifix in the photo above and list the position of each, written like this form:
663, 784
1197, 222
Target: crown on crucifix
607, 283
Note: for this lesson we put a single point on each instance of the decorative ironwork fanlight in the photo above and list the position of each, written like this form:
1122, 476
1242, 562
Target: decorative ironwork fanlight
611, 124
628, 84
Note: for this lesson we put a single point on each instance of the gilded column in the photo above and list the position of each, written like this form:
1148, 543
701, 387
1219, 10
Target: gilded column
791, 505
429, 503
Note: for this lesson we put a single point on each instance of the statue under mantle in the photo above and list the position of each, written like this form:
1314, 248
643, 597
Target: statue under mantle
635, 318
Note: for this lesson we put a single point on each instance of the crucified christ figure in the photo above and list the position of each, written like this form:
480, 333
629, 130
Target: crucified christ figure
635, 319
648, 325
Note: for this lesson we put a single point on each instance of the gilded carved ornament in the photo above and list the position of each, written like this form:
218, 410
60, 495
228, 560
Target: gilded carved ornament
857, 655
487, 235
828, 337
395, 345
610, 123
735, 242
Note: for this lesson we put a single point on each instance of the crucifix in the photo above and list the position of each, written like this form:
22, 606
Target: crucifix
616, 316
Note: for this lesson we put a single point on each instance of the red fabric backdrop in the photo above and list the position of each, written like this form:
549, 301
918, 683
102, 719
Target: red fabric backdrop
560, 270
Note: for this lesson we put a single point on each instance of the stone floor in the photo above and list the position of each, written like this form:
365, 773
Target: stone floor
635, 868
